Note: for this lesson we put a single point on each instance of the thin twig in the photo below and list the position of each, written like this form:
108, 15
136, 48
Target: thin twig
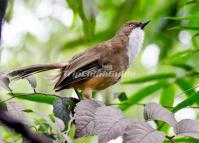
142, 104
187, 90
70, 123
171, 139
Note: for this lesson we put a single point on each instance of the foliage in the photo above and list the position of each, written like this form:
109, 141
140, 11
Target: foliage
94, 118
173, 81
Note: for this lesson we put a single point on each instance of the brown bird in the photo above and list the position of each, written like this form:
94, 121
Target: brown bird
98, 67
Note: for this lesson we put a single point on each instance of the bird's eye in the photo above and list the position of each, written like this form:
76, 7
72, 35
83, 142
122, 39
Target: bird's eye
132, 25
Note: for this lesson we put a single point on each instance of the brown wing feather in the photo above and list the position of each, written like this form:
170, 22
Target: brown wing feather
84, 73
83, 62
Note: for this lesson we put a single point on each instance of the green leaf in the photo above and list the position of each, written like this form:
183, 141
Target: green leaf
9, 11
60, 109
141, 94
182, 66
88, 18
194, 40
182, 59
183, 140
43, 126
151, 77
192, 95
90, 9
28, 111
35, 97
181, 54
87, 11
187, 102
63, 106
186, 86
192, 2
168, 96
185, 28
74, 4
3, 106
122, 97
190, 17
167, 100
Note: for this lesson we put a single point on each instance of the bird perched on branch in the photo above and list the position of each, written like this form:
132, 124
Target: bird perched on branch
98, 67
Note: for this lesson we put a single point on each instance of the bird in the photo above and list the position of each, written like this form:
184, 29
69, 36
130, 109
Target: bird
98, 67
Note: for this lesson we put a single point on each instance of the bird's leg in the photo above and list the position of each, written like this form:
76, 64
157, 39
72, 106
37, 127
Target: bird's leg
87, 93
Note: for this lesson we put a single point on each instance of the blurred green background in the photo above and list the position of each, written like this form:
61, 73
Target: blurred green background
166, 71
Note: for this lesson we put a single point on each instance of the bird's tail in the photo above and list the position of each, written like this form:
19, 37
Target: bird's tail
27, 71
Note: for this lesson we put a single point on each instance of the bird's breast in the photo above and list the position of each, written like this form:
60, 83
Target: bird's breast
136, 39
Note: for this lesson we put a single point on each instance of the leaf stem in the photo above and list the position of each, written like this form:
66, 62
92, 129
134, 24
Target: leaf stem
171, 139
70, 123
142, 104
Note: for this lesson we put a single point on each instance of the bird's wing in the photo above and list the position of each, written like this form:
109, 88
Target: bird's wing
79, 68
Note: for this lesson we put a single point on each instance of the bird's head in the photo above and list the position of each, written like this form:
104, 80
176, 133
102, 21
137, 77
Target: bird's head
132, 26
133, 31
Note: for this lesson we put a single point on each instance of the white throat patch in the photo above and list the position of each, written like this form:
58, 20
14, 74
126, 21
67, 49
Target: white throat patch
136, 39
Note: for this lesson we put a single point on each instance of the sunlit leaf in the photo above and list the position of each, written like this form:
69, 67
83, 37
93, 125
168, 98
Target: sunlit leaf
183, 140
4, 82
194, 40
74, 4
153, 111
61, 110
190, 17
185, 28
1, 140
42, 126
59, 124
167, 100
3, 106
168, 96
141, 132
187, 87
187, 102
151, 77
16, 110
84, 117
90, 9
182, 66
192, 2
110, 123
121, 96
32, 81
35, 97
87, 11
188, 128
9, 11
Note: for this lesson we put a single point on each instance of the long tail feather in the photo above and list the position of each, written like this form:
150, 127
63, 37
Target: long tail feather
26, 71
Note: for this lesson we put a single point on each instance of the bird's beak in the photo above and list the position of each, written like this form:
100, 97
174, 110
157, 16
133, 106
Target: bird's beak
145, 23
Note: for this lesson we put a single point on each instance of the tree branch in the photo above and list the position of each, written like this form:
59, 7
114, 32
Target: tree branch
22, 129
3, 5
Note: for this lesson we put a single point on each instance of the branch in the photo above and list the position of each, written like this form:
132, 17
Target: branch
22, 129
142, 104
171, 139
